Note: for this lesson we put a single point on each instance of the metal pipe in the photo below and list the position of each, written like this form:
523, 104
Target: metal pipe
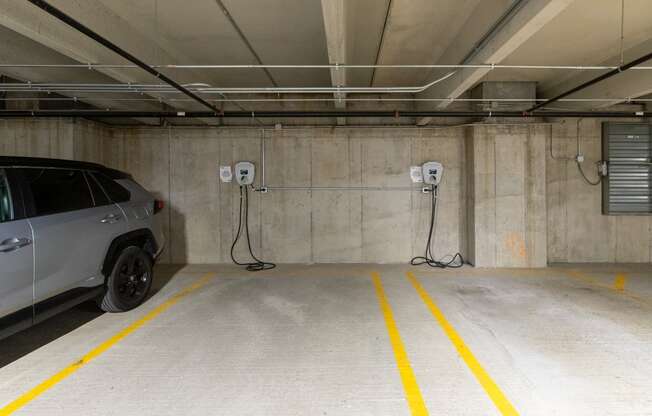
263, 100
53, 11
203, 88
322, 114
594, 81
222, 91
341, 188
393, 126
326, 66
262, 158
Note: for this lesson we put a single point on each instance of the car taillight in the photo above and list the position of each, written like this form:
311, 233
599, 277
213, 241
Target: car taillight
158, 206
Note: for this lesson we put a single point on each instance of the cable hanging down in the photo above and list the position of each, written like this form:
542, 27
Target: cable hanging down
456, 261
243, 219
586, 178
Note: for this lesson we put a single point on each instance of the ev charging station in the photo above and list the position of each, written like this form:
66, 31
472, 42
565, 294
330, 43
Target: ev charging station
430, 174
245, 173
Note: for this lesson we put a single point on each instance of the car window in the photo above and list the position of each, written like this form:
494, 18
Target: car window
58, 190
114, 190
99, 196
6, 209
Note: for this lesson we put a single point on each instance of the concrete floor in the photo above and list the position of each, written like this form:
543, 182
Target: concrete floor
312, 340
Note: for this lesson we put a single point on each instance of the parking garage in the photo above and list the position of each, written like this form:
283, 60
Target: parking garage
368, 207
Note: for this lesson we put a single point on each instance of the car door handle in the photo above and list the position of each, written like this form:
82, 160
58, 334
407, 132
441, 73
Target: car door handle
13, 244
111, 219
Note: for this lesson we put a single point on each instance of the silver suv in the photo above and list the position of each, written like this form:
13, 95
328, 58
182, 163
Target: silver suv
71, 232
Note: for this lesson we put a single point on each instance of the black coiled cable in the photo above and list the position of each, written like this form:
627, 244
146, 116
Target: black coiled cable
455, 262
257, 265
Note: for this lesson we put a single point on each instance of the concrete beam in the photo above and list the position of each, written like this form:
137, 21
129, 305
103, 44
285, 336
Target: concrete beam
630, 84
17, 48
521, 26
29, 21
334, 13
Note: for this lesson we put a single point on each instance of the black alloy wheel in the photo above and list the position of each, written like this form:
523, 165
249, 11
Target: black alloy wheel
130, 281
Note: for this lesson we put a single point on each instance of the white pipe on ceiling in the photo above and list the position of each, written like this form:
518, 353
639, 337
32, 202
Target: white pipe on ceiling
378, 99
335, 66
206, 89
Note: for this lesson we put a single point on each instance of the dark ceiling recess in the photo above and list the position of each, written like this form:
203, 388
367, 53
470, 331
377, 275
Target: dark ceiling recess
593, 81
304, 114
53, 11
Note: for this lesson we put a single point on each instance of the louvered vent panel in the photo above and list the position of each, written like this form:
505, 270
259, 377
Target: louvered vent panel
628, 149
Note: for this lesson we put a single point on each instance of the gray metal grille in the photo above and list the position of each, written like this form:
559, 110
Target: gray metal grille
627, 147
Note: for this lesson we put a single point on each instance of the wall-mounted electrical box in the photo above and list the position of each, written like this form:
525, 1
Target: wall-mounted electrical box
226, 175
432, 172
244, 173
416, 174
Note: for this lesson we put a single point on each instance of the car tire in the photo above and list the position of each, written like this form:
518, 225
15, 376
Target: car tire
129, 282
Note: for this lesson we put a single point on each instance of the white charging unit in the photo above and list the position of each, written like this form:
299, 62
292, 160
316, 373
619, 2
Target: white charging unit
432, 172
245, 173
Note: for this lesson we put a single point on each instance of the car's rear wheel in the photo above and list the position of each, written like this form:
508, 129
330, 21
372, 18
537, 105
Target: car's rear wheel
129, 282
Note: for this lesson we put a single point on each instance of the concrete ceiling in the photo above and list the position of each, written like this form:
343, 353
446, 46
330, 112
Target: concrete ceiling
418, 32
280, 32
545, 32
586, 33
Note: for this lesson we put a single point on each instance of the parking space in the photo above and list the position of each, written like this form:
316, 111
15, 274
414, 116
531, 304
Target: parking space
324, 340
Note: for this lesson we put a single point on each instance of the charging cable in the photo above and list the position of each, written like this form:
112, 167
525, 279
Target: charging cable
456, 261
257, 265
601, 171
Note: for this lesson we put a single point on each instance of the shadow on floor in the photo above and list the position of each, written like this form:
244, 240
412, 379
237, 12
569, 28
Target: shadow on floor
31, 339
163, 273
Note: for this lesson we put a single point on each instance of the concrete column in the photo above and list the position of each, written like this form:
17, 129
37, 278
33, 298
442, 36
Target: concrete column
506, 180
506, 205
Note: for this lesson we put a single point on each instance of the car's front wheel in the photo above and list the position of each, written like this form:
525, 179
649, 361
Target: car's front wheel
129, 282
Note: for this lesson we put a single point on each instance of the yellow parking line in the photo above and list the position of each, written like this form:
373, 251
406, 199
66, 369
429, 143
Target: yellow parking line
410, 386
619, 282
97, 351
490, 387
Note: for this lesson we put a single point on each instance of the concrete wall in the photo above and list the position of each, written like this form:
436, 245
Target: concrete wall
577, 230
42, 138
181, 166
504, 201
54, 138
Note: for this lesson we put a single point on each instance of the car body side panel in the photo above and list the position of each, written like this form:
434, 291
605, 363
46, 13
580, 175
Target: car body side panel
139, 211
16, 258
63, 264
70, 249
16, 276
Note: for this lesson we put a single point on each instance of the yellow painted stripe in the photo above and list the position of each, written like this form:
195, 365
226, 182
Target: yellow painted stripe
588, 279
97, 351
619, 282
492, 389
410, 386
